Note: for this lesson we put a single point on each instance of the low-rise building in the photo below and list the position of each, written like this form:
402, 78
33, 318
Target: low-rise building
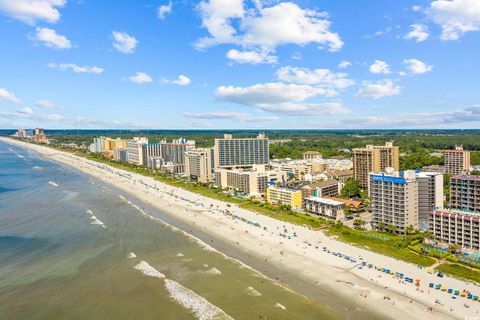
456, 227
339, 175
325, 208
310, 155
285, 196
327, 188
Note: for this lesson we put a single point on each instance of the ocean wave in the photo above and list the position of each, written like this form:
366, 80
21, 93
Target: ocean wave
37, 168
252, 292
148, 270
213, 271
131, 255
179, 255
201, 307
96, 221
278, 305
20, 156
52, 183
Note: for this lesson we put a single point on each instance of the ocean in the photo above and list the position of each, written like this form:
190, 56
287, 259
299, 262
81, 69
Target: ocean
72, 247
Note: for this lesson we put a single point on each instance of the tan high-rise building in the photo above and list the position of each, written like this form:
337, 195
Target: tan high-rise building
457, 161
199, 164
374, 159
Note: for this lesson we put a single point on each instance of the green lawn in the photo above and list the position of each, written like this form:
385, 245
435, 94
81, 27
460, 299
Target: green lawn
389, 245
458, 271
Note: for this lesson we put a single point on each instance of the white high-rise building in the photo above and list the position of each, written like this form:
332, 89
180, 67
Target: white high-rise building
394, 200
232, 152
134, 150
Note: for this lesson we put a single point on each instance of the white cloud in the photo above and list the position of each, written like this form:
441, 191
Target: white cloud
50, 38
45, 104
54, 117
418, 32
419, 119
238, 116
344, 64
181, 80
455, 17
280, 98
8, 96
379, 89
140, 77
318, 77
163, 10
380, 67
252, 57
31, 11
26, 110
75, 68
124, 42
264, 27
417, 66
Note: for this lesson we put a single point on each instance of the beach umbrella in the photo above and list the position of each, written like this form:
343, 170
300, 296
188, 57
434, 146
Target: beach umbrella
450, 290
457, 292
475, 298
431, 285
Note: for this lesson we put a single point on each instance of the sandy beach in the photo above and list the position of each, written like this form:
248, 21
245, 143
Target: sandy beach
304, 252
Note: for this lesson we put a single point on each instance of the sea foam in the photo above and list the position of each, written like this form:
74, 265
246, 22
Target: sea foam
52, 183
201, 307
131, 255
148, 270
278, 305
252, 292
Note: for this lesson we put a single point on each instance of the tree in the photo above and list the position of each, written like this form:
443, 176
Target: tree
454, 248
351, 189
381, 226
411, 230
391, 228
358, 223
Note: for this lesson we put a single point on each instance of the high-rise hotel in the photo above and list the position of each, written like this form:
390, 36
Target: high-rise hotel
232, 152
457, 161
374, 159
394, 200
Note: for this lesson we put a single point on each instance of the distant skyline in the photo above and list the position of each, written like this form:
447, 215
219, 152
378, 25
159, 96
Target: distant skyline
238, 64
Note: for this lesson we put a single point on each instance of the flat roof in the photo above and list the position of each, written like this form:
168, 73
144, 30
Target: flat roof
325, 201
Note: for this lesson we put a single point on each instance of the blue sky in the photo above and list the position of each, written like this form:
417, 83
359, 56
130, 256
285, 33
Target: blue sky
315, 64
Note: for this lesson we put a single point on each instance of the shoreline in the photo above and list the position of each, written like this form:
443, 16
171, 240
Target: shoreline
365, 287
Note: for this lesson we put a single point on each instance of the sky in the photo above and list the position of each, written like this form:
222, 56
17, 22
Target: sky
240, 64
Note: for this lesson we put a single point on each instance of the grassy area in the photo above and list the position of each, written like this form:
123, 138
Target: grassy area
389, 245
458, 271
287, 216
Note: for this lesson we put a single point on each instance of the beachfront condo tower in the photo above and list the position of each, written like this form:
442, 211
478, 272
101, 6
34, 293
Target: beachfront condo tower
199, 164
232, 152
394, 201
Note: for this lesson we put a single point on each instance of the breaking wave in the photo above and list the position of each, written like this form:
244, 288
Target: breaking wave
52, 183
148, 270
201, 307
252, 292
131, 255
